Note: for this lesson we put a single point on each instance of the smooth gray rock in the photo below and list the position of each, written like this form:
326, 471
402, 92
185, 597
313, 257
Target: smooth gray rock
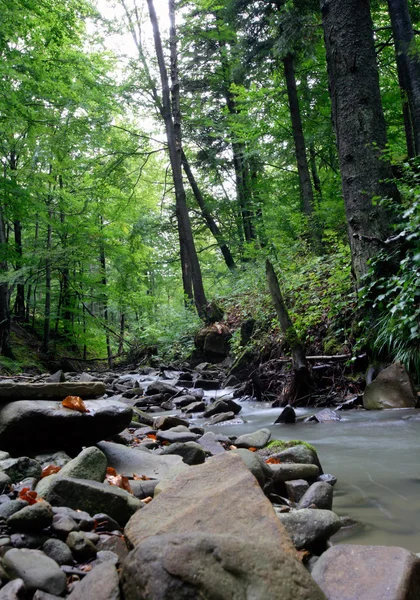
320, 494
92, 497
220, 418
287, 415
392, 388
59, 458
169, 422
7, 509
14, 590
222, 406
115, 544
101, 583
129, 461
58, 551
5, 481
80, 545
4, 455
57, 377
296, 489
161, 387
210, 443
309, 526
143, 489
37, 570
255, 464
327, 415
289, 471
39, 595
62, 525
298, 454
347, 572
183, 401
32, 519
328, 478
172, 436
91, 463
257, 439
194, 407
191, 452
20, 468
204, 565
36, 424
49, 391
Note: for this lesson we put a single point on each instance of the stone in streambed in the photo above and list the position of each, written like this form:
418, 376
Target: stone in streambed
36, 424
37, 570
101, 583
287, 415
309, 526
255, 464
81, 547
183, 401
160, 387
14, 590
115, 544
346, 572
320, 494
296, 488
92, 497
173, 435
191, 452
222, 406
257, 439
58, 551
210, 443
49, 391
5, 481
287, 472
327, 415
62, 525
204, 565
91, 464
194, 407
7, 509
392, 388
168, 422
32, 518
28, 540
20, 468
220, 418
299, 454
143, 489
59, 458
127, 461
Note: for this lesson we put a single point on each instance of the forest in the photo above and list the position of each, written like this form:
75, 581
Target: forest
159, 157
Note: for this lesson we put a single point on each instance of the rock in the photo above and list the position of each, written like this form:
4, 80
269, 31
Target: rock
331, 479
58, 551
91, 463
257, 439
255, 464
82, 519
182, 401
7, 509
327, 415
300, 454
320, 494
59, 458
287, 472
81, 547
143, 489
4, 455
38, 571
28, 540
32, 518
33, 425
196, 501
101, 582
105, 523
44, 596
143, 418
173, 436
5, 481
92, 497
57, 377
191, 452
210, 444
392, 388
115, 544
49, 391
62, 525
168, 422
20, 468
221, 406
212, 342
309, 526
346, 572
296, 488
208, 384
161, 387
127, 461
287, 415
87, 377
203, 565
14, 590
220, 418
194, 407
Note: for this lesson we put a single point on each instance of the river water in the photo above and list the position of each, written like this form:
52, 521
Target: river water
374, 454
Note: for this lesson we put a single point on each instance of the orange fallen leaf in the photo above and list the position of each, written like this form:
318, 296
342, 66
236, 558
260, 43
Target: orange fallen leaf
152, 436
147, 500
75, 403
252, 449
303, 555
26, 494
140, 477
119, 481
49, 470
273, 461
111, 471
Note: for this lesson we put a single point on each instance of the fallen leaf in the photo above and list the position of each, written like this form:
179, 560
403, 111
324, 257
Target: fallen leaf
26, 494
49, 470
147, 500
273, 461
140, 477
303, 555
111, 471
152, 436
252, 449
75, 403
119, 481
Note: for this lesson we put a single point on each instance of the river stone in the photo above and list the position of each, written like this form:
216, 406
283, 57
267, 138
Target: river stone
33, 518
20, 468
129, 461
191, 452
299, 454
80, 545
101, 582
49, 391
7, 509
161, 387
143, 489
36, 424
5, 481
39, 595
255, 464
115, 544
62, 525
59, 458
210, 443
58, 377
309, 526
257, 439
222, 406
93, 497
196, 501
327, 415
58, 551
194, 407
28, 540
287, 415
220, 418
203, 565
168, 422
289, 471
320, 493
183, 401
296, 488
91, 464
173, 436
14, 590
38, 571
392, 388
346, 572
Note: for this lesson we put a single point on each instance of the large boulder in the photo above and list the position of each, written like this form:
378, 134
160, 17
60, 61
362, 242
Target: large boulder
212, 342
50, 391
256, 439
101, 582
203, 565
310, 526
129, 461
346, 572
45, 424
392, 388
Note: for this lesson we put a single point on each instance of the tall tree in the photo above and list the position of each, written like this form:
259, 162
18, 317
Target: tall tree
359, 126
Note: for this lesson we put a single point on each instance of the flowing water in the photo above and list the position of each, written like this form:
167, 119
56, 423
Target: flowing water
374, 454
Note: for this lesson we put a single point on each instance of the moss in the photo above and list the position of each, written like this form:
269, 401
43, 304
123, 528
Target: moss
283, 445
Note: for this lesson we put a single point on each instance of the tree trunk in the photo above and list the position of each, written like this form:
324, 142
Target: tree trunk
20, 288
47, 305
5, 348
359, 126
211, 223
302, 379
122, 329
102, 261
408, 61
171, 116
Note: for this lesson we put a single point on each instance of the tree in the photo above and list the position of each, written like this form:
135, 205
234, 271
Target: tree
359, 126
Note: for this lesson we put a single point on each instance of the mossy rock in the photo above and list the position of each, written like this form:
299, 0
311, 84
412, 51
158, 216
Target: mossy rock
279, 445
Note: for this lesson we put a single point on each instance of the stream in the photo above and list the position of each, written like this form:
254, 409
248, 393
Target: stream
374, 454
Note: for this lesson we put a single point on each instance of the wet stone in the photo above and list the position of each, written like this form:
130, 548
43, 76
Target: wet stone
28, 540
19, 468
58, 551
81, 547
7, 509
32, 518
37, 570
319, 494
296, 489
210, 443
